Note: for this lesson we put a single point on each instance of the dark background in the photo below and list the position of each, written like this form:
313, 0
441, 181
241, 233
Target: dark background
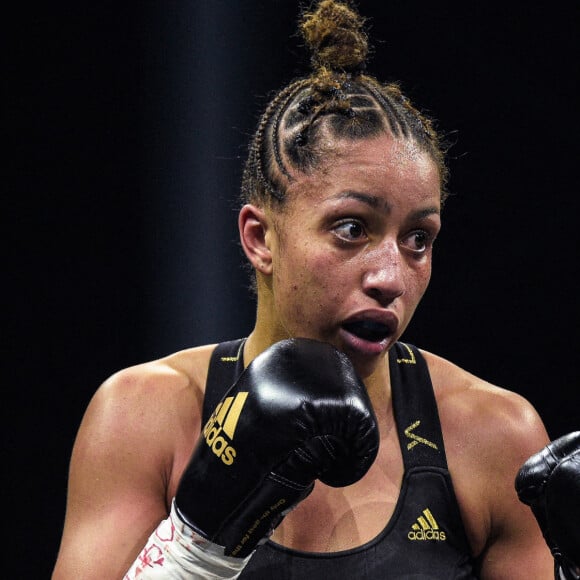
125, 124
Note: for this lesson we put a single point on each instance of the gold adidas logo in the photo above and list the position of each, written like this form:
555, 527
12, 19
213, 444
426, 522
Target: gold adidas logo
426, 528
219, 430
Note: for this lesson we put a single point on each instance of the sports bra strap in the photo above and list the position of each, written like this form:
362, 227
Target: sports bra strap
225, 367
414, 404
415, 408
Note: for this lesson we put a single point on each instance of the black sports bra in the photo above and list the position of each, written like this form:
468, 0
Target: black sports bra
425, 537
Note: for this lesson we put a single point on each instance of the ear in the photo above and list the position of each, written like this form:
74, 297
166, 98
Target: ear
254, 225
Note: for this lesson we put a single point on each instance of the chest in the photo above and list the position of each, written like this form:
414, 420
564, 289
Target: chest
386, 498
334, 519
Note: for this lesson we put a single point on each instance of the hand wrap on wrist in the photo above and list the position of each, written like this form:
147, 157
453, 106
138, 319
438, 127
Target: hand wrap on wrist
174, 550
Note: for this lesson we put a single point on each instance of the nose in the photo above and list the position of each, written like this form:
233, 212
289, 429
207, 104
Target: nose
383, 274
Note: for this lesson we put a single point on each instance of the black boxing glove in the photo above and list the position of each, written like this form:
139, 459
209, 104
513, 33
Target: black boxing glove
549, 482
297, 413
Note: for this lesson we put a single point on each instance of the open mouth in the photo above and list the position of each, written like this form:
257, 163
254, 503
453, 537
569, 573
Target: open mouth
368, 330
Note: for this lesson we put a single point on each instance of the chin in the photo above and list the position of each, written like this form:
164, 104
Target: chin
364, 366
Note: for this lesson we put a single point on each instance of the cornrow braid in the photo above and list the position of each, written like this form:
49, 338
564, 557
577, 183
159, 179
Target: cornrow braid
337, 101
255, 181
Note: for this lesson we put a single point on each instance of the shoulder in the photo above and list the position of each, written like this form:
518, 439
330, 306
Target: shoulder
489, 432
144, 416
474, 404
160, 387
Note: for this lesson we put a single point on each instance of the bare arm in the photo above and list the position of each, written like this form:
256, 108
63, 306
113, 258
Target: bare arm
489, 433
133, 435
515, 547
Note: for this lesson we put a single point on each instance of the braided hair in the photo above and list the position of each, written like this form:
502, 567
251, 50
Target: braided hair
336, 101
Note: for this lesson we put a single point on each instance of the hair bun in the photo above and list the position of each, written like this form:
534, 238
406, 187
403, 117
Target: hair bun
335, 35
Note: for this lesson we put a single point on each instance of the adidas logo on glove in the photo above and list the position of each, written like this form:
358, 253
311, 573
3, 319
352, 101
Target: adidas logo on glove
219, 430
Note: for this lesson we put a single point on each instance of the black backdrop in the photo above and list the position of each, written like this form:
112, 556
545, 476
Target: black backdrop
126, 124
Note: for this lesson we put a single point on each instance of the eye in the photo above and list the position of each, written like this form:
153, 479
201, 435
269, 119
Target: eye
350, 230
419, 241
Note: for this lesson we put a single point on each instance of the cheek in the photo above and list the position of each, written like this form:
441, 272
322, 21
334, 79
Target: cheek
324, 273
416, 285
423, 279
304, 278
327, 292
310, 282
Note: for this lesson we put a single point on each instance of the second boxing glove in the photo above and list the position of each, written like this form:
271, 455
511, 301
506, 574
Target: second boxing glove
549, 482
297, 413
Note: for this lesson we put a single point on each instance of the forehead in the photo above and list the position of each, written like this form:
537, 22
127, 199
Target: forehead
384, 166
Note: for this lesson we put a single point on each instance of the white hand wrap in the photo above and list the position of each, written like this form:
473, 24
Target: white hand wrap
175, 551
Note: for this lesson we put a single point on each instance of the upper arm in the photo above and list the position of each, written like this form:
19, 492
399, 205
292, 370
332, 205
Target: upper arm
515, 544
489, 433
119, 471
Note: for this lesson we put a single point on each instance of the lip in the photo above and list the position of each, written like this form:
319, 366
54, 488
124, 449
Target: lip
363, 346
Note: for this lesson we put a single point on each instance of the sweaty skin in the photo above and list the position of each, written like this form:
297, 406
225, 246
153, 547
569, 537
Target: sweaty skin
355, 244
345, 261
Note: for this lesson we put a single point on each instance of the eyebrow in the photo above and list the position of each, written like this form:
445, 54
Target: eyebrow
372, 200
380, 204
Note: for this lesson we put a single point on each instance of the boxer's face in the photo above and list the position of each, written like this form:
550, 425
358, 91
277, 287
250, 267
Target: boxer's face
352, 250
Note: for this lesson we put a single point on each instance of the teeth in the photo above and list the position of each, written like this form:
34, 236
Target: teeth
369, 330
